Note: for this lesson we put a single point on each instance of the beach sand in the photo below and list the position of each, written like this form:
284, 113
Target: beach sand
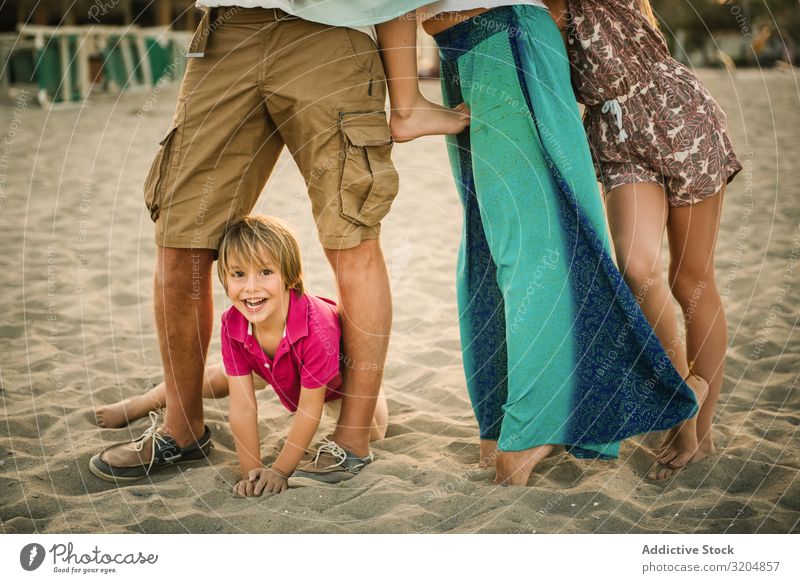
76, 331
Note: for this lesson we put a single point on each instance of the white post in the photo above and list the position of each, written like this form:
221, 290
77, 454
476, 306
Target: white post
127, 57
144, 60
66, 78
84, 82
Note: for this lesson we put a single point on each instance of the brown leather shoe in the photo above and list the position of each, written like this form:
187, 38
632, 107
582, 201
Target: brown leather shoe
134, 460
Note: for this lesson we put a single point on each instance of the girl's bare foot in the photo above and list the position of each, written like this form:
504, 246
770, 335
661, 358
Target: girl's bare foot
122, 413
488, 454
515, 467
703, 451
423, 118
681, 447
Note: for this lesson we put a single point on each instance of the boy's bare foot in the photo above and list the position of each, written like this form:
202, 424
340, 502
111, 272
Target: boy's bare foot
122, 413
681, 447
423, 118
488, 454
515, 467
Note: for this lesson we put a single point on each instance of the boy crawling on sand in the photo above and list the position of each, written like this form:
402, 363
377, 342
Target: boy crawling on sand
274, 329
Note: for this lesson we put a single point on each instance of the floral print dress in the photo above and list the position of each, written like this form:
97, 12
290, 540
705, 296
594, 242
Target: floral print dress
648, 118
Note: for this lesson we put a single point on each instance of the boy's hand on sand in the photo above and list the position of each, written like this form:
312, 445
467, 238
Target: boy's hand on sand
244, 488
268, 480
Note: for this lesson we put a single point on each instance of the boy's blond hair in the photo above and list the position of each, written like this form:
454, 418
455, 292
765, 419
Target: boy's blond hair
249, 239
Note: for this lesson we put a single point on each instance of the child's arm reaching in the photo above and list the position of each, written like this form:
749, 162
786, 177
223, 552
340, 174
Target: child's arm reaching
243, 413
558, 11
304, 426
412, 114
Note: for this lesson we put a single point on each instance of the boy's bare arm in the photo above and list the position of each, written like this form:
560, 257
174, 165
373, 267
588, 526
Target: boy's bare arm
304, 426
243, 413
275, 479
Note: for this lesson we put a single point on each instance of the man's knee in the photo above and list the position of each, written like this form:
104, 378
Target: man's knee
177, 267
364, 256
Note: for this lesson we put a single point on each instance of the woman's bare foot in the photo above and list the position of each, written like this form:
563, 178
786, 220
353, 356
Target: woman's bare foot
488, 454
515, 467
122, 413
681, 447
423, 118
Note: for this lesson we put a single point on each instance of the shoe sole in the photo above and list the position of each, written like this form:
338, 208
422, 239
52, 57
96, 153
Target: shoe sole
112, 478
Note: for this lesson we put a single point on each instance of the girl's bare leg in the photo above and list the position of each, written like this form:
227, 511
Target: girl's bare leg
215, 386
692, 233
637, 217
412, 115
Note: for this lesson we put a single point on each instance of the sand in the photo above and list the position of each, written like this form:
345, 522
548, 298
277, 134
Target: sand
76, 331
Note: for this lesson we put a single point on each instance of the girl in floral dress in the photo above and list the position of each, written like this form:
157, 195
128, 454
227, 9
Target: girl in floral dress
661, 150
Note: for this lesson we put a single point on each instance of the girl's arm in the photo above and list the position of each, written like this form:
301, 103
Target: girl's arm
412, 114
243, 413
304, 426
558, 10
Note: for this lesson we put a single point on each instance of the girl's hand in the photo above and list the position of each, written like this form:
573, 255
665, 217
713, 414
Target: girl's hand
268, 480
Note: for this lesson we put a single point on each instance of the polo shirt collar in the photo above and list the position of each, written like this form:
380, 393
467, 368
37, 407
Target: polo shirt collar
238, 326
297, 318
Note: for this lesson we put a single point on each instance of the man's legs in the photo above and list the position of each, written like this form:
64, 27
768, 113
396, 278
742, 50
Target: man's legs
327, 97
366, 312
184, 314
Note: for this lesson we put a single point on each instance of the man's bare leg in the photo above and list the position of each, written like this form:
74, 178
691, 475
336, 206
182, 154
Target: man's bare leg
366, 311
184, 314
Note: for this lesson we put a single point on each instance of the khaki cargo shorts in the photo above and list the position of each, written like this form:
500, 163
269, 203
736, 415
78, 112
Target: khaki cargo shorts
265, 80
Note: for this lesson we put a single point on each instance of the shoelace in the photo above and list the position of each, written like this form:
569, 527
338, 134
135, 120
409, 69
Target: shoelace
151, 431
335, 450
613, 106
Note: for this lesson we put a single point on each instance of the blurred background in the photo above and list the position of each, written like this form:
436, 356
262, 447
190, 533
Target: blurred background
68, 49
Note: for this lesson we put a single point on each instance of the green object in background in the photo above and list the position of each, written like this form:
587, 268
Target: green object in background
159, 59
48, 71
22, 65
114, 69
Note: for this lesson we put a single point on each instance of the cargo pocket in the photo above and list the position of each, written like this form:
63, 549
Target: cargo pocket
369, 180
156, 183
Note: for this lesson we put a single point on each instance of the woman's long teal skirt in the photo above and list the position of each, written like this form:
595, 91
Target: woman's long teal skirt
556, 349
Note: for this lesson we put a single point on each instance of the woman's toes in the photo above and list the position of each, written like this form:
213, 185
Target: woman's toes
680, 460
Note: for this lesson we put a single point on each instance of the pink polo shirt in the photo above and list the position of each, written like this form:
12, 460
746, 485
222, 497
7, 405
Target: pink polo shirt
307, 356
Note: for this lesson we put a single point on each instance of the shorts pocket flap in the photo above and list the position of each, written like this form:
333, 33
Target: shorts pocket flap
363, 131
156, 182
369, 180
